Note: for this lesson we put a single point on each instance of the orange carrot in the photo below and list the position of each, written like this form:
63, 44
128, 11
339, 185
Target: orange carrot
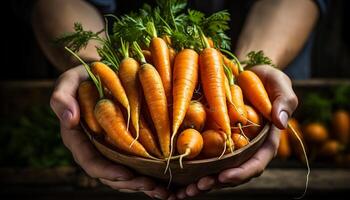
239, 140
341, 125
172, 55
237, 110
110, 79
185, 76
111, 120
254, 90
156, 101
161, 59
88, 97
315, 132
213, 143
128, 70
195, 116
189, 144
212, 77
148, 140
254, 123
284, 149
232, 65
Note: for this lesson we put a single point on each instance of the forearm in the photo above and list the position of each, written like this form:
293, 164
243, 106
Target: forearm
50, 19
279, 28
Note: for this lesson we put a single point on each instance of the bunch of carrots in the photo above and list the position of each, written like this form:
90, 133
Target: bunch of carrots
167, 85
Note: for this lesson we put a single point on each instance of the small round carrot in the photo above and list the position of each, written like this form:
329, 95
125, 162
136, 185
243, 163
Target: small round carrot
331, 148
210, 122
284, 150
88, 97
195, 116
239, 140
254, 90
111, 120
110, 79
315, 132
189, 144
128, 70
213, 143
148, 140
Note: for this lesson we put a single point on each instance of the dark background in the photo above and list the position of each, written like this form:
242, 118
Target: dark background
24, 60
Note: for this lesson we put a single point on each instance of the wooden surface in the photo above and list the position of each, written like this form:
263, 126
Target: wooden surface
69, 183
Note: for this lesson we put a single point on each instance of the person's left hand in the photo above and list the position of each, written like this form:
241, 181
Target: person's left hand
284, 102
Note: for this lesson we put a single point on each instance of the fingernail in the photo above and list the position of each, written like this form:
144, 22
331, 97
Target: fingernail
283, 118
66, 116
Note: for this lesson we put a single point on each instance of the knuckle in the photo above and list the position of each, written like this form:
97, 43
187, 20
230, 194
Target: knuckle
292, 101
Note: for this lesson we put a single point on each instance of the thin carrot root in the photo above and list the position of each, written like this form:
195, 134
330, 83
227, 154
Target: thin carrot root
223, 152
306, 160
170, 179
136, 138
171, 152
245, 126
242, 132
184, 155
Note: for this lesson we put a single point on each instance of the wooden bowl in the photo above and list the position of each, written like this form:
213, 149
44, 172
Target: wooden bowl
191, 171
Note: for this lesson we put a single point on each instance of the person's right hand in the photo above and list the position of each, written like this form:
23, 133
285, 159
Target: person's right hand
64, 104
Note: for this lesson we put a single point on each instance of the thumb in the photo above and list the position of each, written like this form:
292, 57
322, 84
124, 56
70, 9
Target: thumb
282, 109
63, 100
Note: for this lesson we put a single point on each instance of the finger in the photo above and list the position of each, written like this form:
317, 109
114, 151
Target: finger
206, 183
192, 190
159, 192
181, 194
255, 165
280, 91
172, 197
89, 159
136, 184
63, 99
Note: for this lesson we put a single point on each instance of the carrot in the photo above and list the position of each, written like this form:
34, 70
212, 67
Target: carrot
161, 59
88, 97
195, 116
231, 64
185, 76
156, 101
331, 148
284, 150
172, 55
254, 123
341, 126
148, 55
148, 140
210, 122
213, 143
227, 90
128, 70
254, 90
111, 120
189, 144
110, 79
315, 133
212, 77
239, 140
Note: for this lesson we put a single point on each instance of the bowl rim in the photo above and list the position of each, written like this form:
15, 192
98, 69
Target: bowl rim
98, 139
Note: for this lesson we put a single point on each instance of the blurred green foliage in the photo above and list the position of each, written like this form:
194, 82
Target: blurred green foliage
32, 140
